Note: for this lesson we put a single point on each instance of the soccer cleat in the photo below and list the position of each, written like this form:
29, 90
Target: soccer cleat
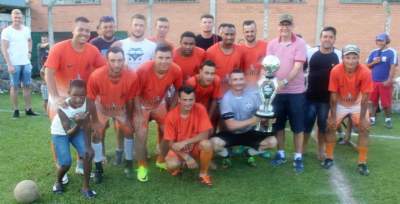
388, 124
161, 165
88, 194
206, 180
278, 160
142, 174
29, 112
298, 165
118, 158
372, 122
16, 114
65, 179
251, 161
98, 176
363, 169
58, 188
128, 173
226, 163
327, 163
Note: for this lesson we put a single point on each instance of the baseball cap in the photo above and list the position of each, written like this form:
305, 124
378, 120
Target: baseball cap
382, 37
351, 48
286, 18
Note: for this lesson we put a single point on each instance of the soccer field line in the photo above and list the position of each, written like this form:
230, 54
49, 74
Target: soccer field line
341, 186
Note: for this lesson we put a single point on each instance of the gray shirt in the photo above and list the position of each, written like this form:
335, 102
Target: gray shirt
240, 107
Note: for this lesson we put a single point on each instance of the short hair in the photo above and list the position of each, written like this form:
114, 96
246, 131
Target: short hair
163, 47
106, 19
226, 25
236, 71
81, 19
188, 34
187, 89
77, 83
248, 22
328, 28
162, 19
207, 63
222, 25
115, 50
138, 16
44, 35
206, 16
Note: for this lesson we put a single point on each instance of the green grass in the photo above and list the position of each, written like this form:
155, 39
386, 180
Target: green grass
25, 154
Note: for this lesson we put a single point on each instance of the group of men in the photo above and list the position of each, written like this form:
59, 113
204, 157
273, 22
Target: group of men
203, 93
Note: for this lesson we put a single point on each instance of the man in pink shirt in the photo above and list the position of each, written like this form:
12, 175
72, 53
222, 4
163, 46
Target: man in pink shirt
288, 103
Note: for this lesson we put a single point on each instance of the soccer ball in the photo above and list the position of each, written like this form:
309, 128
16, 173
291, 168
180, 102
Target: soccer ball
26, 191
271, 63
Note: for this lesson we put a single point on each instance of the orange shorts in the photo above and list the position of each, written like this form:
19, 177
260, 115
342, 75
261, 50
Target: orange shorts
194, 152
352, 111
146, 114
121, 120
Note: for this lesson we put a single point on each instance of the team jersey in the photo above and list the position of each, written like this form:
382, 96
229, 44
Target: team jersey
252, 59
204, 95
189, 65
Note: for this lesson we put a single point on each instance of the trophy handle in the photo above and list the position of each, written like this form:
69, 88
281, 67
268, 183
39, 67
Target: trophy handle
275, 82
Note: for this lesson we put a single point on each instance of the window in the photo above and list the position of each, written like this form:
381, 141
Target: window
367, 1
270, 1
71, 2
162, 1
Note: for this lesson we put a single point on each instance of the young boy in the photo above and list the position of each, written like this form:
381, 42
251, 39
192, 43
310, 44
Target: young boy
70, 125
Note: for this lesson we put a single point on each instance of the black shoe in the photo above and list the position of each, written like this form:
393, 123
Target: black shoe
29, 112
58, 188
363, 169
88, 194
327, 164
16, 114
98, 173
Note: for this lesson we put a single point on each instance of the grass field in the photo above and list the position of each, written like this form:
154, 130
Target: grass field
25, 154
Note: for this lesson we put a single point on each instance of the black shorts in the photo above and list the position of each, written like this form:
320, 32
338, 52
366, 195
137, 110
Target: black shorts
250, 138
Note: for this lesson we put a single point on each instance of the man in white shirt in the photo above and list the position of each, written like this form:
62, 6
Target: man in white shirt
16, 46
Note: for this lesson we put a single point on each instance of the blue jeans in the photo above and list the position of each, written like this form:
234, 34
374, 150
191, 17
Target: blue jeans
289, 107
22, 74
61, 147
316, 111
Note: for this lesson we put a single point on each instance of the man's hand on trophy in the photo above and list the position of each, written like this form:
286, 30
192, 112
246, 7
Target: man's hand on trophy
282, 83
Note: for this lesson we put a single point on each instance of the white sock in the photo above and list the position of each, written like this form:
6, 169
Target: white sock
223, 153
98, 152
388, 119
372, 119
282, 153
297, 156
128, 149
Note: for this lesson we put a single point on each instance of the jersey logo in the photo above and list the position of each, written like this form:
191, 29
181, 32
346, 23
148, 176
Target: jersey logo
135, 54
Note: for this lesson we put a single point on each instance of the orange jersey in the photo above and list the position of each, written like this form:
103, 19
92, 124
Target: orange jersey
204, 95
69, 64
225, 64
252, 59
153, 87
189, 65
178, 129
349, 87
154, 39
112, 96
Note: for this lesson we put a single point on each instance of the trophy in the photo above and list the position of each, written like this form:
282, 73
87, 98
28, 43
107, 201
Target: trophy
267, 90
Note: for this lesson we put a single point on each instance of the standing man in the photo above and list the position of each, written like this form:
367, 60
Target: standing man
155, 77
162, 29
321, 60
137, 49
226, 55
289, 101
188, 56
186, 129
111, 90
16, 46
43, 52
106, 36
206, 38
382, 61
254, 52
350, 84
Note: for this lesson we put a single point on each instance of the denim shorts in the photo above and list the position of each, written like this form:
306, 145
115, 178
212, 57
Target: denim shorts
22, 74
315, 111
289, 107
62, 150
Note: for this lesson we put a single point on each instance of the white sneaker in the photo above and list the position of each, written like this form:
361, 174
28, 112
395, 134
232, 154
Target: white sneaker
65, 179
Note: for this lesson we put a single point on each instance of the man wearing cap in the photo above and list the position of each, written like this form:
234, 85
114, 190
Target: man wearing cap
289, 101
382, 62
350, 84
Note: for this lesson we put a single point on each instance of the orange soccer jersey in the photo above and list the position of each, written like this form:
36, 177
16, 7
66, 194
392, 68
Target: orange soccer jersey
154, 88
189, 65
204, 95
112, 96
225, 63
178, 129
69, 64
252, 59
350, 86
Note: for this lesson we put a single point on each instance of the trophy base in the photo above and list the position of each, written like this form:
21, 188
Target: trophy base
265, 114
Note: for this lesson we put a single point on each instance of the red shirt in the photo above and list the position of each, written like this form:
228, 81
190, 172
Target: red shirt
252, 59
204, 95
189, 65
